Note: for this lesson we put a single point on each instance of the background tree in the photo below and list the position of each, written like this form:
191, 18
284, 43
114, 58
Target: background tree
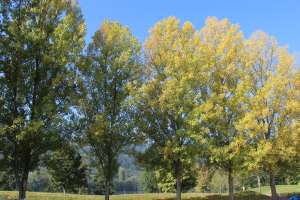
39, 181
164, 101
67, 170
149, 181
121, 174
204, 176
7, 181
39, 40
271, 121
99, 183
219, 182
110, 65
128, 179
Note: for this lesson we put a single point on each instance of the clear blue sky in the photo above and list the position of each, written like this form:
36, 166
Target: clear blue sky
279, 18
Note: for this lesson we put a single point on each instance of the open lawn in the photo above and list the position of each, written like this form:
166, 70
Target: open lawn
280, 189
248, 195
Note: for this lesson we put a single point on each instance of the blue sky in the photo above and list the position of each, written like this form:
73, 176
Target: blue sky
279, 18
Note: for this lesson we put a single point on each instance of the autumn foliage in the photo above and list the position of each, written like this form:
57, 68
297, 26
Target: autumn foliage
187, 94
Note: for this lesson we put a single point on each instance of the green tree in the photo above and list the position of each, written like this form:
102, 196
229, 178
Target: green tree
7, 181
149, 181
121, 174
68, 173
164, 102
39, 41
39, 181
110, 65
271, 121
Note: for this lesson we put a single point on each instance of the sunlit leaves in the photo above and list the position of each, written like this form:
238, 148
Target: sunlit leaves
272, 105
109, 69
40, 41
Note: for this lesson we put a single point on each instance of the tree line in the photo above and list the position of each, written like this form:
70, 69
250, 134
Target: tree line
189, 95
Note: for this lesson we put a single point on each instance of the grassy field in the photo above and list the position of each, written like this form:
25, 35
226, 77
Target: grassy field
280, 189
248, 195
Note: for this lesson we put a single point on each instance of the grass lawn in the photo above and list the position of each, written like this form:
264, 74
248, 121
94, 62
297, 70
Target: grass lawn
280, 189
248, 195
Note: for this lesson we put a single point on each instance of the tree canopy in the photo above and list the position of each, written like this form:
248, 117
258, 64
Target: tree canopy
40, 41
111, 63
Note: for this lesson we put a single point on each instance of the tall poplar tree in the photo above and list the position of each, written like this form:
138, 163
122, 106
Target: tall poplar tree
111, 64
164, 101
39, 40
271, 121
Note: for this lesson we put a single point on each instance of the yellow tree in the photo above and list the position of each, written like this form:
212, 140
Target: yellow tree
164, 101
271, 121
221, 93
111, 63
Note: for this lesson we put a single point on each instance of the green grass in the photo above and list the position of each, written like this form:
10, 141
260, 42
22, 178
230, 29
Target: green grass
250, 194
280, 189
247, 195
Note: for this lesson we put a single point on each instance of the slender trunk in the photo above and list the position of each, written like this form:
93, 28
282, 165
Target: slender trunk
273, 187
178, 181
107, 188
230, 183
64, 191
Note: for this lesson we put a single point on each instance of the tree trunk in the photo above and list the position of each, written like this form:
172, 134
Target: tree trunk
178, 181
22, 184
273, 187
22, 191
230, 183
107, 188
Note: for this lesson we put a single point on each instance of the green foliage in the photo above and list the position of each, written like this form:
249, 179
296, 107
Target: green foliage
39, 181
7, 181
110, 65
219, 182
40, 41
167, 182
121, 174
128, 185
128, 179
67, 171
99, 184
149, 181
